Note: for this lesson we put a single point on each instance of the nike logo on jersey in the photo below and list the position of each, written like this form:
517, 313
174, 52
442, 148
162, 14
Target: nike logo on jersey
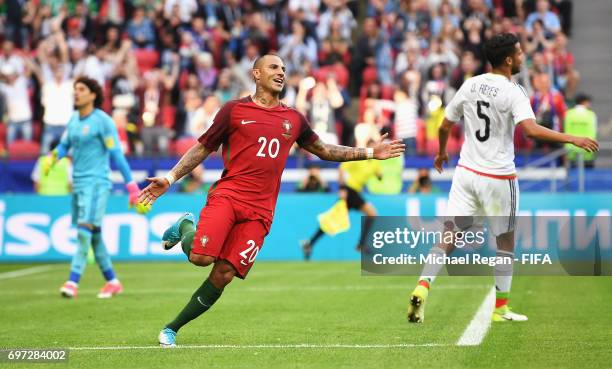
247, 121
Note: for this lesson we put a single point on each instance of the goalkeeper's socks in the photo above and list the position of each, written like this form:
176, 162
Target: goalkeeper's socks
101, 254
79, 259
203, 298
74, 278
109, 275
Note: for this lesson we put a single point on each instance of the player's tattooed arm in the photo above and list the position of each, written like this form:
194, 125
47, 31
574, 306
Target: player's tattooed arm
192, 158
159, 185
381, 150
336, 152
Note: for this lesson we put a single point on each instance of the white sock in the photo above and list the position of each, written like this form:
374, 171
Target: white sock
114, 281
503, 272
431, 270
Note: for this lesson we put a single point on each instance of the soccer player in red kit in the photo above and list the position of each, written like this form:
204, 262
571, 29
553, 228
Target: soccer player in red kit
256, 133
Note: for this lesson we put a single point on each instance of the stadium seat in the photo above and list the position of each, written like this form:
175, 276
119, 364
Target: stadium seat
146, 59
339, 70
182, 145
370, 75
387, 91
22, 149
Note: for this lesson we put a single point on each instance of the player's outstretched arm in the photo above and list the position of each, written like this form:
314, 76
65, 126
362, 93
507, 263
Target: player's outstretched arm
382, 151
537, 132
159, 185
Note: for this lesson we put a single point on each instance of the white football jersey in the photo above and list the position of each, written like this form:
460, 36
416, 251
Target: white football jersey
491, 107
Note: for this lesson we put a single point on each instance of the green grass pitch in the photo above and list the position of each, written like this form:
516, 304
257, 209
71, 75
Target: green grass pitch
347, 321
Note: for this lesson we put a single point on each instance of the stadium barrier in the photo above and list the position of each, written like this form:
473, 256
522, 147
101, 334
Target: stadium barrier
38, 229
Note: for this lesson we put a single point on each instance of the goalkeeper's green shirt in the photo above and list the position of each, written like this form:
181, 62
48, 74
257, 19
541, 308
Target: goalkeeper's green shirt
580, 121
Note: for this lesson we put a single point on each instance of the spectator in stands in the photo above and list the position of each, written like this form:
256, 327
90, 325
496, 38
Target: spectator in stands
140, 30
537, 41
445, 14
75, 39
15, 86
93, 64
467, 69
10, 56
42, 23
305, 11
86, 23
336, 11
566, 77
367, 130
549, 20
364, 53
57, 99
320, 108
187, 124
112, 13
548, 105
227, 88
335, 47
246, 63
439, 54
409, 58
581, 120
184, 9
474, 37
155, 135
205, 70
416, 17
313, 181
437, 85
297, 48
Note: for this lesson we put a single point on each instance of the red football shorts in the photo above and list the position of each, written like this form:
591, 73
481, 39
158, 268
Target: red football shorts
229, 231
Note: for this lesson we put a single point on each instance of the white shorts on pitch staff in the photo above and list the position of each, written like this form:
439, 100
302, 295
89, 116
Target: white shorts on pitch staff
483, 196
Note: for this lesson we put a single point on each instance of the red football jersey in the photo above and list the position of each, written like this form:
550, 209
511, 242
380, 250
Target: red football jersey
256, 143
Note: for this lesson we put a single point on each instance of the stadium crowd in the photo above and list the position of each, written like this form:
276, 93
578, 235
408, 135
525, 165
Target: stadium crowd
353, 68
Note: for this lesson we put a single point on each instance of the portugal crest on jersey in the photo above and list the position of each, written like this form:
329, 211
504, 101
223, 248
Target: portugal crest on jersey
287, 129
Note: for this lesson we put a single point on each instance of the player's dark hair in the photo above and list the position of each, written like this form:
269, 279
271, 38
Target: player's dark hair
94, 87
499, 47
582, 98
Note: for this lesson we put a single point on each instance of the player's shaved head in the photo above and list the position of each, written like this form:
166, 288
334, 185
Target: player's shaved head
261, 59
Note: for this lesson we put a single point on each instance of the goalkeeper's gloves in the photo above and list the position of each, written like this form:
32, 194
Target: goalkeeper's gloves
49, 162
133, 192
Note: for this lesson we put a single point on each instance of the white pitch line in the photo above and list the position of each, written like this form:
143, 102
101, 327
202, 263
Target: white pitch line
24, 272
271, 346
479, 326
271, 289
